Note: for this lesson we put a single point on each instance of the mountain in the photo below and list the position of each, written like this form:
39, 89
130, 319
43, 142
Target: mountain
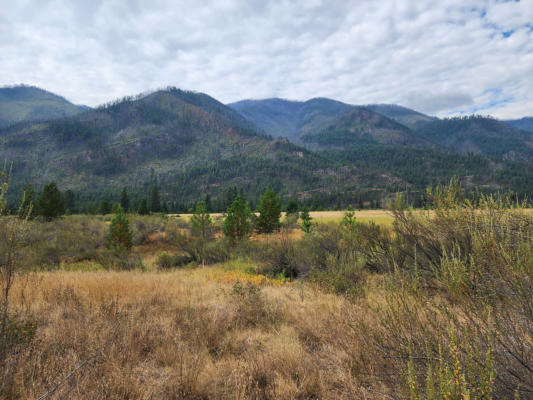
29, 103
526, 123
291, 119
480, 135
363, 126
191, 146
187, 143
405, 116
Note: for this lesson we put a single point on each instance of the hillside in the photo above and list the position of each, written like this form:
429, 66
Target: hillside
29, 103
405, 116
187, 143
362, 126
291, 119
480, 135
526, 123
191, 145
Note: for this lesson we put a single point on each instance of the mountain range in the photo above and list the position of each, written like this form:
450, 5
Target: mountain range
321, 151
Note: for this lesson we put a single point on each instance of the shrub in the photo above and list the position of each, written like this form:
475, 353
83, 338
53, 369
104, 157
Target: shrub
119, 259
166, 260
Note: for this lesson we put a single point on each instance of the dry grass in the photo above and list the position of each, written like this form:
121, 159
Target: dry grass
185, 334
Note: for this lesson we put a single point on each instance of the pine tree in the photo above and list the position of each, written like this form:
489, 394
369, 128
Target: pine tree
348, 221
202, 226
105, 207
292, 207
237, 224
91, 210
124, 200
50, 204
269, 212
120, 235
155, 202
307, 224
70, 202
143, 208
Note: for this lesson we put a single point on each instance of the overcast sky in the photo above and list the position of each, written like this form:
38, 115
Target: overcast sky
440, 57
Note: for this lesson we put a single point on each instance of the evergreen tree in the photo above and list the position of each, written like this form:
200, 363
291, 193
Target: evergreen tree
27, 208
292, 207
143, 208
50, 204
307, 224
348, 221
120, 235
202, 226
124, 200
70, 202
269, 212
155, 202
208, 205
237, 223
105, 207
91, 209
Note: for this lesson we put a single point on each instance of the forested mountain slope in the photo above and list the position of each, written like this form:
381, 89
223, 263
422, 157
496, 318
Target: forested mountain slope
480, 135
292, 119
187, 143
363, 126
405, 116
29, 103
526, 123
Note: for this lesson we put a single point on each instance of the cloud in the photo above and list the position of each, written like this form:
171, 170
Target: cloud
432, 103
444, 58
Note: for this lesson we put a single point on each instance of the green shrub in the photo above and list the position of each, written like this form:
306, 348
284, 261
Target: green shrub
166, 260
119, 259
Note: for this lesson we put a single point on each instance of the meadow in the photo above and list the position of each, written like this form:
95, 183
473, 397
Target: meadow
395, 304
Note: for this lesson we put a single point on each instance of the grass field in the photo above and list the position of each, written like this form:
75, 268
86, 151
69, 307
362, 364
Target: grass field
186, 334
383, 217
241, 329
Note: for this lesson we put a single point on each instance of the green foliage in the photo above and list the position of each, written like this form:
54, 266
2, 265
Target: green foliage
120, 234
155, 202
201, 223
50, 204
292, 207
166, 260
143, 208
105, 207
237, 224
307, 224
269, 212
125, 200
348, 220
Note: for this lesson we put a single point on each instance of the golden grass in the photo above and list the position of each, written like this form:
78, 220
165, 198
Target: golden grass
185, 334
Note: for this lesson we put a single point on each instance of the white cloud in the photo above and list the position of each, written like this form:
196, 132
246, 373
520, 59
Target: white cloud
447, 57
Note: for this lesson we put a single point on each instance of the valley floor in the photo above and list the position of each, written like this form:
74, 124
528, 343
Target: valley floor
203, 333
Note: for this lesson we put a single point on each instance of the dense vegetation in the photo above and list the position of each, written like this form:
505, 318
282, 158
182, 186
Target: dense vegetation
435, 306
188, 146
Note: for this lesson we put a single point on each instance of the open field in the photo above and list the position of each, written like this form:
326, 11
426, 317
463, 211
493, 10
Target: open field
186, 334
380, 217
436, 303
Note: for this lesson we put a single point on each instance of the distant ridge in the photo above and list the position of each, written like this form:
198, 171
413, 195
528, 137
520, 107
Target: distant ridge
21, 103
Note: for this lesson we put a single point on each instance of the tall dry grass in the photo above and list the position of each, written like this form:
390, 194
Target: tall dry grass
183, 335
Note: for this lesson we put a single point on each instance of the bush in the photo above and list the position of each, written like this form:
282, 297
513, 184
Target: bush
252, 308
166, 260
120, 259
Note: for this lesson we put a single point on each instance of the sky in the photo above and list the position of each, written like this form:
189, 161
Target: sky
444, 58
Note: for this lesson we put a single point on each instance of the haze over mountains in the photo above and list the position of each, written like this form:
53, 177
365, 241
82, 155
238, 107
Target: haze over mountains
191, 145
